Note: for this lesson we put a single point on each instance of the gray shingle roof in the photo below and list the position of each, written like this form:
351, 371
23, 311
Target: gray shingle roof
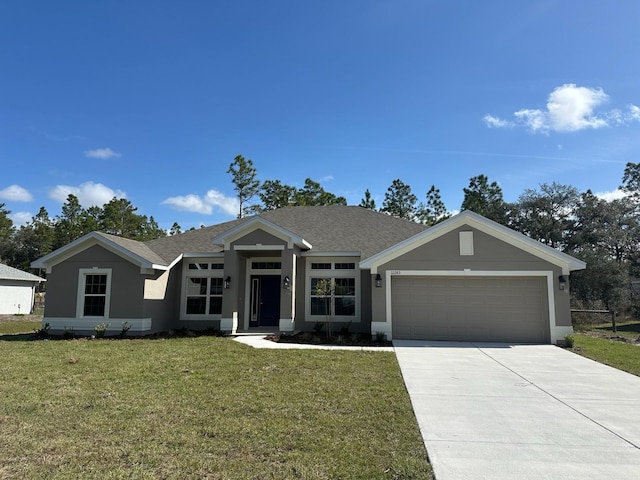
328, 229
10, 273
137, 248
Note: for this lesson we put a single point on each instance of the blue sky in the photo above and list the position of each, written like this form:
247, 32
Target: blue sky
152, 100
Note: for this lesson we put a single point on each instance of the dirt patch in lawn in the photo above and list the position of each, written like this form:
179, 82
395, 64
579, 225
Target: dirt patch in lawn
20, 318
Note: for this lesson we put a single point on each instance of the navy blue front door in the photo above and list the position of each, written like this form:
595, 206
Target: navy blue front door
265, 301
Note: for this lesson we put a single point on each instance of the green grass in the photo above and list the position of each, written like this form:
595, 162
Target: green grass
11, 326
621, 355
203, 407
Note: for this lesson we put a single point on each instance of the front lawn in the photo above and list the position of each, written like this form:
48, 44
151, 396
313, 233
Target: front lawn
19, 323
203, 407
614, 352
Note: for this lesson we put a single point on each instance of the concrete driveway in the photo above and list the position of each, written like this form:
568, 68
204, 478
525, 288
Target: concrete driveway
497, 411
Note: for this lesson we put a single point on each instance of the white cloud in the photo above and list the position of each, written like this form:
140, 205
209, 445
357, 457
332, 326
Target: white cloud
495, 122
21, 218
16, 193
212, 199
102, 153
88, 193
569, 108
612, 195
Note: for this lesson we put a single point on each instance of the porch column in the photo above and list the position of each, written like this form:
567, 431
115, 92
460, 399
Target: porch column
287, 296
229, 320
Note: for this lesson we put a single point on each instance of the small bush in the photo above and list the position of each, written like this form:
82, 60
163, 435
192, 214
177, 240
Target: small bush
68, 332
381, 337
43, 331
101, 329
125, 328
317, 328
568, 341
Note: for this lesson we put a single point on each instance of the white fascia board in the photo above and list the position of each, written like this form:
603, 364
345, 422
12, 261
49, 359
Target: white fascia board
258, 248
203, 255
256, 223
494, 229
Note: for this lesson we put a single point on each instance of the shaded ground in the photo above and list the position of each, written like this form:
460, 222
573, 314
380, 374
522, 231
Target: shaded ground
627, 331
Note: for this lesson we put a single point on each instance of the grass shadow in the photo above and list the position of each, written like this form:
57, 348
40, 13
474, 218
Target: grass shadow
626, 327
19, 337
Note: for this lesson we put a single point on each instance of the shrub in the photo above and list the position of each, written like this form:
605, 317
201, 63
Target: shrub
568, 341
101, 329
125, 328
381, 337
68, 332
43, 331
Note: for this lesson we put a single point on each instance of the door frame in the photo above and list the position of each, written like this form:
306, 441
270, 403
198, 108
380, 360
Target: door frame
257, 287
251, 272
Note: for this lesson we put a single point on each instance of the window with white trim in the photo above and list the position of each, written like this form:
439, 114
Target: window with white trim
333, 290
94, 292
202, 290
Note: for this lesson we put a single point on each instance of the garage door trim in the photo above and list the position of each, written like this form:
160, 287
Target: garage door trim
554, 331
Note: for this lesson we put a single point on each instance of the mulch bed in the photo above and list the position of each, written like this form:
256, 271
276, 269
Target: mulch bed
349, 339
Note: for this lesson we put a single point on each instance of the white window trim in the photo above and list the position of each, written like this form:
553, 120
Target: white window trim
208, 273
332, 274
82, 281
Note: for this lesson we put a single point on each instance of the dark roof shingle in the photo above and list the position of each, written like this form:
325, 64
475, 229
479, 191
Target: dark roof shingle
334, 228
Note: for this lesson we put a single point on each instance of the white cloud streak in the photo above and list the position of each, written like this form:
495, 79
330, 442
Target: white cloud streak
88, 193
101, 153
205, 205
495, 122
16, 193
569, 108
612, 195
20, 218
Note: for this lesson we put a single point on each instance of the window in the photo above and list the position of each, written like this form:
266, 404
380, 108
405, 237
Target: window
333, 289
345, 266
206, 266
266, 265
94, 291
204, 296
320, 266
202, 289
333, 296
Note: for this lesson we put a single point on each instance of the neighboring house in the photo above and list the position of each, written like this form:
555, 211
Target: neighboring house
17, 290
467, 278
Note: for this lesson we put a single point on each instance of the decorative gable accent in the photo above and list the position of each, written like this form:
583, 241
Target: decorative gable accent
466, 243
258, 223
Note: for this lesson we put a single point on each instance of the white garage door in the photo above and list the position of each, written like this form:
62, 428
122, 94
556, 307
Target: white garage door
489, 309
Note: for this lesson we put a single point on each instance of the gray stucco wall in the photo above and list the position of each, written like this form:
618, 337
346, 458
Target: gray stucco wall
127, 284
164, 305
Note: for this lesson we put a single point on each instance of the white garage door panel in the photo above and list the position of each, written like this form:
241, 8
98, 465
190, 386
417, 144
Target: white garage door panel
504, 309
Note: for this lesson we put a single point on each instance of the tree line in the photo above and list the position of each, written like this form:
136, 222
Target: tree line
605, 234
